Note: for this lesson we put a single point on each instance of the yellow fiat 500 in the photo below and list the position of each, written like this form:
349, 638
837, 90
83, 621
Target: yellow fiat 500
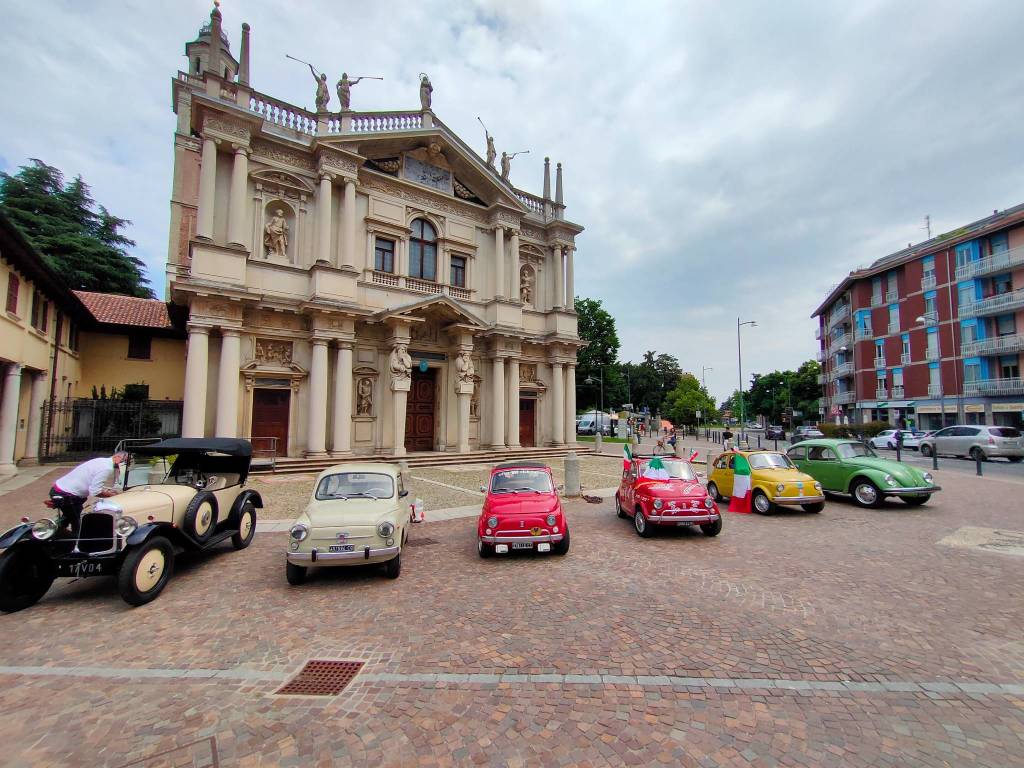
774, 480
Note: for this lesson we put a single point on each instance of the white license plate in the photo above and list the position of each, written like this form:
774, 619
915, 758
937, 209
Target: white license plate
684, 522
522, 545
341, 547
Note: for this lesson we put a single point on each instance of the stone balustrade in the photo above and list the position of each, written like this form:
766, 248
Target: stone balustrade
373, 122
284, 115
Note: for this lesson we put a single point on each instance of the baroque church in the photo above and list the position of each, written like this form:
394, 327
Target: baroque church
361, 282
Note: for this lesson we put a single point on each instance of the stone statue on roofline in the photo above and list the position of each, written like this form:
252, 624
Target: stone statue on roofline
323, 93
426, 89
506, 165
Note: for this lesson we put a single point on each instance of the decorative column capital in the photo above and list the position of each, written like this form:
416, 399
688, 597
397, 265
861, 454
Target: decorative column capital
317, 341
230, 332
199, 330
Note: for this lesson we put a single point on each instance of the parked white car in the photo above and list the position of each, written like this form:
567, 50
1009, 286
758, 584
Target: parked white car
979, 441
887, 439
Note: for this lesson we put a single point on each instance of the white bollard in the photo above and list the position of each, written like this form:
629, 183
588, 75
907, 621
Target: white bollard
572, 474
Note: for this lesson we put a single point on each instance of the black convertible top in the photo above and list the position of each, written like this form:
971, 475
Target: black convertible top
524, 464
229, 446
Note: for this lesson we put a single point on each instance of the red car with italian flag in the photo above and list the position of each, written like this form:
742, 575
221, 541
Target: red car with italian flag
664, 492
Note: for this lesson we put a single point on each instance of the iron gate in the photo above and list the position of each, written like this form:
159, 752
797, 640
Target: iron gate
79, 428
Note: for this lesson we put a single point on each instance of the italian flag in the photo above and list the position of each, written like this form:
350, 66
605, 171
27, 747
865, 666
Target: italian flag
627, 457
740, 499
655, 470
693, 455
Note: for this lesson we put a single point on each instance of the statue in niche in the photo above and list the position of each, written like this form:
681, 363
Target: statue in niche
426, 89
400, 363
464, 370
364, 397
474, 400
526, 285
323, 93
275, 235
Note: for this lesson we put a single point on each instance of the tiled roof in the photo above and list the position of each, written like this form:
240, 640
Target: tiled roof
126, 310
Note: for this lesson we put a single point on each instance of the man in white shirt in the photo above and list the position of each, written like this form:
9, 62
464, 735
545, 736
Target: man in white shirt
92, 478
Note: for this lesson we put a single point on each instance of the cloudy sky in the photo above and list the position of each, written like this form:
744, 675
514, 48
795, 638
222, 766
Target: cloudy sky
727, 158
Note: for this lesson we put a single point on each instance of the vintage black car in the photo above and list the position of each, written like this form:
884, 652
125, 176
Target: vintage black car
195, 504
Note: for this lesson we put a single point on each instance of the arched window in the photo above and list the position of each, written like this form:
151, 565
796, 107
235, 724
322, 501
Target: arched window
423, 251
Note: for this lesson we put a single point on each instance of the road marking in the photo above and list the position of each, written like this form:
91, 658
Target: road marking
446, 485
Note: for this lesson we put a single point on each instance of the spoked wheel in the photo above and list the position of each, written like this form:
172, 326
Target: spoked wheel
25, 576
145, 571
246, 527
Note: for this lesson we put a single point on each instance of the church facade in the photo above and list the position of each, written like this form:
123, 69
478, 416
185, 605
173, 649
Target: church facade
361, 283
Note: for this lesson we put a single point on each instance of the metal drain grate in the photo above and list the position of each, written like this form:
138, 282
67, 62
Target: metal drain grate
420, 542
321, 678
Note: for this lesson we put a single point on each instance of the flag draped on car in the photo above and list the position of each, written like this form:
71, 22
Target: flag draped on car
693, 455
627, 457
655, 470
740, 500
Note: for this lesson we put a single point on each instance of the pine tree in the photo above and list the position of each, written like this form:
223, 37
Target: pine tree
80, 240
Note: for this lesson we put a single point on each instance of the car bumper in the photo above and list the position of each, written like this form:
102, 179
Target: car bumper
1003, 453
545, 538
926, 489
695, 519
317, 557
795, 501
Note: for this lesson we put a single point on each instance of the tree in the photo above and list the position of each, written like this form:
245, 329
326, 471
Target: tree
771, 393
80, 240
652, 379
598, 358
686, 398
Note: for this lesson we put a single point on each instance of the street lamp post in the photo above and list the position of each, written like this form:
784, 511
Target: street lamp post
923, 321
739, 360
590, 381
704, 382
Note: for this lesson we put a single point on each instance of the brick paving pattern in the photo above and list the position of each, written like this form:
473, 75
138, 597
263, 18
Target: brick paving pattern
847, 638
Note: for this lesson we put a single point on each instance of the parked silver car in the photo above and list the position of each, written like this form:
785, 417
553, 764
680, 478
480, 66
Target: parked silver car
979, 441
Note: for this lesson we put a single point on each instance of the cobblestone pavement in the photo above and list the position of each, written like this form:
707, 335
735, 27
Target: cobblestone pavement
848, 638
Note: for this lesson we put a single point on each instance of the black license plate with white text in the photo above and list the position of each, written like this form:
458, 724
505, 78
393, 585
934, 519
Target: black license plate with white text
79, 568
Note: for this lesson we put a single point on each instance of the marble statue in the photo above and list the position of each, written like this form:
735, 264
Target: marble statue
526, 285
364, 397
345, 89
401, 363
506, 165
464, 369
491, 152
474, 400
426, 89
323, 93
275, 235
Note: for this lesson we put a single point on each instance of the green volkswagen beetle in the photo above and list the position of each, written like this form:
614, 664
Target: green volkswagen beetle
850, 467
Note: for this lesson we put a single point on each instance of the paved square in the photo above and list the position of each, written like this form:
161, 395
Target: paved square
848, 638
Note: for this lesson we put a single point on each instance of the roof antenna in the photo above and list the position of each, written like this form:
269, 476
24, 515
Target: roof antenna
928, 226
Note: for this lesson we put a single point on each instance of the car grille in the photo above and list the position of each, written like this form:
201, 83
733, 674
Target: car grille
96, 533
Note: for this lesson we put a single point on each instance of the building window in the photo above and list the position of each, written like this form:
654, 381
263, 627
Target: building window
999, 243
968, 332
894, 318
930, 311
928, 266
13, 285
384, 255
72, 336
971, 370
1009, 367
1001, 284
423, 251
1006, 325
40, 312
906, 344
934, 377
965, 294
139, 347
458, 276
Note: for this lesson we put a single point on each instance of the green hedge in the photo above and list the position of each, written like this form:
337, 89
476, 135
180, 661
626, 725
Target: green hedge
870, 429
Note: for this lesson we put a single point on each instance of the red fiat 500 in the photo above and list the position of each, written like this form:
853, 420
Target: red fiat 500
677, 498
521, 511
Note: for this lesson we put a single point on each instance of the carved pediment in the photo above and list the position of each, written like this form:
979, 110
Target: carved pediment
281, 179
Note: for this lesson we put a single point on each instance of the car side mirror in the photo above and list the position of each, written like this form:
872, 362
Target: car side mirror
402, 494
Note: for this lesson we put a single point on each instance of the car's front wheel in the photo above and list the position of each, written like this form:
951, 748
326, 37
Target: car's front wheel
761, 503
866, 494
618, 507
485, 550
393, 567
641, 525
712, 529
145, 571
561, 547
26, 574
246, 527
296, 574
713, 492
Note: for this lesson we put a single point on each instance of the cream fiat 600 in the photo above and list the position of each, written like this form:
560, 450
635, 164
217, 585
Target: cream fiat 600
356, 516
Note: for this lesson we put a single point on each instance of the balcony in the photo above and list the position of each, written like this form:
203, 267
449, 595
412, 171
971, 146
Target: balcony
928, 281
897, 393
930, 318
882, 394
998, 345
934, 390
879, 362
905, 358
821, 378
839, 314
894, 326
839, 341
876, 299
846, 369
817, 333
994, 305
1013, 386
892, 296
841, 398
820, 356
863, 333
931, 354
995, 263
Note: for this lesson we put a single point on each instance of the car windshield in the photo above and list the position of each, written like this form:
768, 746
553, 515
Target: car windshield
142, 470
770, 461
356, 485
677, 470
854, 450
521, 481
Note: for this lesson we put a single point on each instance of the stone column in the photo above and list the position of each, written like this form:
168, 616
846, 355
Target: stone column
557, 404
348, 224
35, 418
570, 403
316, 432
559, 277
512, 398
193, 417
499, 262
342, 442
514, 247
9, 417
498, 404
323, 219
570, 290
207, 189
237, 229
227, 383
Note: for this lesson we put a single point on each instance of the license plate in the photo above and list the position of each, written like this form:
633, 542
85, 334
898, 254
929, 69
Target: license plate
85, 567
684, 522
522, 545
341, 547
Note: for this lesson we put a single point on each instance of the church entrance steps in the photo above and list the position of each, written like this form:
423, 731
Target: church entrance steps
425, 459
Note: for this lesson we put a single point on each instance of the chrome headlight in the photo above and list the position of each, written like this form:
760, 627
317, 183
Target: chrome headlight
780, 487
657, 504
709, 502
928, 478
299, 532
43, 529
492, 522
890, 480
125, 526
551, 519
817, 486
385, 529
